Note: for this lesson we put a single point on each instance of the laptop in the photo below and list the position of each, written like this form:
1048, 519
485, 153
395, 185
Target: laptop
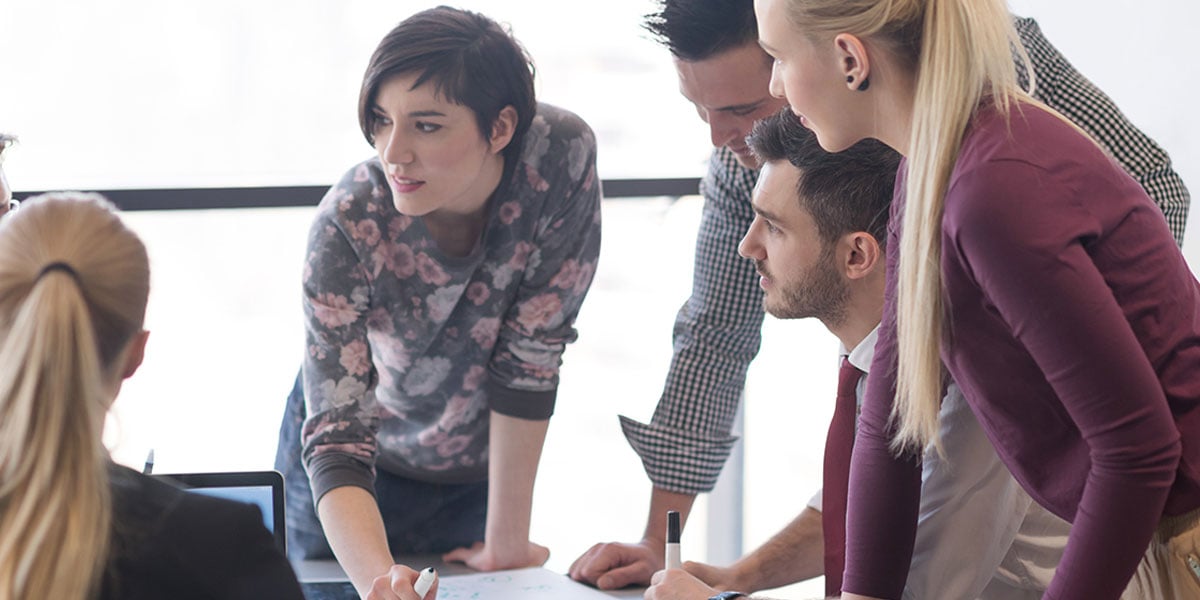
263, 489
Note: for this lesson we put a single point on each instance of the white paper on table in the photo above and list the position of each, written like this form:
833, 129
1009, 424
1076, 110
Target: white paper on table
518, 584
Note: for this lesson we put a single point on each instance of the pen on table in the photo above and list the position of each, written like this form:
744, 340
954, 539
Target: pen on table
149, 466
424, 582
673, 561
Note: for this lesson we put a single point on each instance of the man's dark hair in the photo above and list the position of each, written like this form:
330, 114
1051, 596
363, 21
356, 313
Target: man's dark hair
470, 59
844, 192
696, 30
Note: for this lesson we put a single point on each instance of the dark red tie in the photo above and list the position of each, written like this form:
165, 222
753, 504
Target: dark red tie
838, 445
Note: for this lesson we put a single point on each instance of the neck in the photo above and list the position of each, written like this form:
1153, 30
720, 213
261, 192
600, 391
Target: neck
458, 230
863, 312
894, 110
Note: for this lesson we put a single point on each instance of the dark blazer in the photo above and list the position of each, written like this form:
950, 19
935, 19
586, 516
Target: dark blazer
169, 543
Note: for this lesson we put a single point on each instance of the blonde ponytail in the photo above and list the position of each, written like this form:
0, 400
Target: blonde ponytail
962, 53
62, 333
966, 56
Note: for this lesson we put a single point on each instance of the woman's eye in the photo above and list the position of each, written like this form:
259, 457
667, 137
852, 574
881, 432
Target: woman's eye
427, 127
382, 121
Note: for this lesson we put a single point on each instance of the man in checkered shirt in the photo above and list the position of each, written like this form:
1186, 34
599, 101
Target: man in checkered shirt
725, 74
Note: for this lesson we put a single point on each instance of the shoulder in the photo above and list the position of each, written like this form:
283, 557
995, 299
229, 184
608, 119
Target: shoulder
1029, 141
361, 191
1028, 31
554, 124
1002, 161
1032, 177
558, 160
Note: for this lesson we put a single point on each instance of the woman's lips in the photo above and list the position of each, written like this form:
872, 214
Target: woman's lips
405, 185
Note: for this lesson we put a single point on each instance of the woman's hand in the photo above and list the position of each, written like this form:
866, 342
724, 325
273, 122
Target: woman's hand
397, 584
483, 557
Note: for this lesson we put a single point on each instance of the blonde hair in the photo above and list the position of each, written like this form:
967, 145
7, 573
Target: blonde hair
63, 332
962, 53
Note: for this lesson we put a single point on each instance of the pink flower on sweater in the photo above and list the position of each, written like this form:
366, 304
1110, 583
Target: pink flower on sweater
485, 330
430, 271
478, 293
540, 311
333, 310
521, 252
366, 230
509, 212
355, 358
535, 179
397, 258
454, 445
568, 276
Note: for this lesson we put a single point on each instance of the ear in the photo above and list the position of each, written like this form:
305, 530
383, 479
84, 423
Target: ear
134, 353
852, 55
503, 129
861, 255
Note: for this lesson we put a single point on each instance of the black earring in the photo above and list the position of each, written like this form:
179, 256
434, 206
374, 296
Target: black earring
862, 87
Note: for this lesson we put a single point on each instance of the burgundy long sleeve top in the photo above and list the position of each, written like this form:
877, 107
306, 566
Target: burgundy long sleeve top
1073, 330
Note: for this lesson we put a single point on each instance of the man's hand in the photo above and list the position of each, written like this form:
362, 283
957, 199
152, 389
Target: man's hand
482, 557
719, 578
615, 565
677, 584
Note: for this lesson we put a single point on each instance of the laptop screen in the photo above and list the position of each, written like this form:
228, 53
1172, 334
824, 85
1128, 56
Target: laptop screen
263, 489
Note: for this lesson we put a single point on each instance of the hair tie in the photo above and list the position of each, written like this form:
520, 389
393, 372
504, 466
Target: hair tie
60, 266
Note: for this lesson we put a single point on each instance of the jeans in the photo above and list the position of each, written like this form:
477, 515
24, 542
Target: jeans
420, 517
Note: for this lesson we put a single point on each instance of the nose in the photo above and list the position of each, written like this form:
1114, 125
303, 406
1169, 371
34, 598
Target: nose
775, 87
750, 247
722, 129
396, 148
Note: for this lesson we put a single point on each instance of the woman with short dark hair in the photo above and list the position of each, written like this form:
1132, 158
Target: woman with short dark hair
441, 283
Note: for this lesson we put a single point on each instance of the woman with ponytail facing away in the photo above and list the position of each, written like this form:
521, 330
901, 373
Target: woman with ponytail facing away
1027, 266
73, 525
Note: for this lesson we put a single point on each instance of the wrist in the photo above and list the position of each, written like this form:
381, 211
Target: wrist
507, 544
657, 546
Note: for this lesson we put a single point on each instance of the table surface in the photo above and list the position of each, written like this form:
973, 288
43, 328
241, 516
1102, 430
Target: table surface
330, 570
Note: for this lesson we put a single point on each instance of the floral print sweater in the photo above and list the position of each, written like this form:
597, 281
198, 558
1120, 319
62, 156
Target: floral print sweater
409, 349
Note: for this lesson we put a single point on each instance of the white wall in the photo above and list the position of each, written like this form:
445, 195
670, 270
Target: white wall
1144, 55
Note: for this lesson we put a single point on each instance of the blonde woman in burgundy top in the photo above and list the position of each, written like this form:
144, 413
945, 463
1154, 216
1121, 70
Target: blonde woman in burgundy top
1026, 262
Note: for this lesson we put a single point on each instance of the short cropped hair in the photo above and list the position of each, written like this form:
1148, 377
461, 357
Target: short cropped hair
695, 30
470, 59
845, 192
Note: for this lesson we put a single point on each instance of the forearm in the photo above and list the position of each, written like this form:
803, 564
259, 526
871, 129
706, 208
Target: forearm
794, 554
662, 501
515, 448
354, 528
